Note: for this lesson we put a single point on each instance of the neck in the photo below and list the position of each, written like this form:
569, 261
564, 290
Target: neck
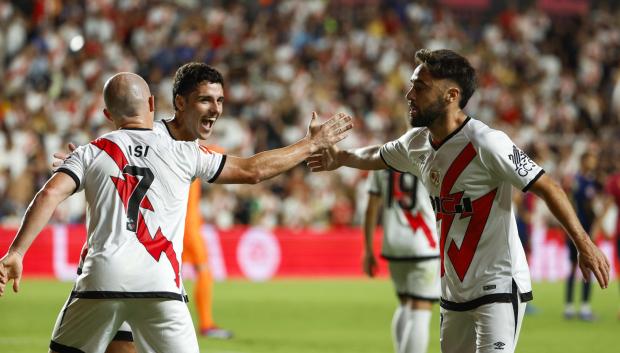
177, 129
135, 123
444, 126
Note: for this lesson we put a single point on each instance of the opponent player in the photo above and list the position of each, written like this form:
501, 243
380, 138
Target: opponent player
411, 246
131, 179
586, 189
469, 170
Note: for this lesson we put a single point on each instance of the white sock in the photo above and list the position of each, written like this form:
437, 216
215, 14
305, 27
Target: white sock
585, 308
398, 325
415, 336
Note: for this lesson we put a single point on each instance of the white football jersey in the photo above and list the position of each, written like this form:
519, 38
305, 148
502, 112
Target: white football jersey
136, 183
469, 177
409, 231
161, 128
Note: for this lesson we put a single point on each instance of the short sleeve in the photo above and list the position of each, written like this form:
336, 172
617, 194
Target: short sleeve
396, 154
209, 164
75, 167
507, 161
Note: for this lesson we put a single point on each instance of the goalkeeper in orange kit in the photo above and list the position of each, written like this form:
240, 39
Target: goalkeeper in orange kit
195, 252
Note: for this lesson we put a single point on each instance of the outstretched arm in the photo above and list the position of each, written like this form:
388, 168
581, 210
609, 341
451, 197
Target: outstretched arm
369, 264
58, 188
268, 164
367, 158
591, 259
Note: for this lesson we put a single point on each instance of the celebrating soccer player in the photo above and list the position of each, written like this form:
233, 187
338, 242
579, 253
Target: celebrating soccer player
469, 170
136, 183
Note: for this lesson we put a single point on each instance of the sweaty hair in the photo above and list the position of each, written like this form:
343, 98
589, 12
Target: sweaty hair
447, 64
190, 76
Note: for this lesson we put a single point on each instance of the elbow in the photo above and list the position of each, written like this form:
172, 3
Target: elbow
254, 175
48, 195
253, 180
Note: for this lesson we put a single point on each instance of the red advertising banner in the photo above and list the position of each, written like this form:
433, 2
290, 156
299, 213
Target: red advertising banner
259, 254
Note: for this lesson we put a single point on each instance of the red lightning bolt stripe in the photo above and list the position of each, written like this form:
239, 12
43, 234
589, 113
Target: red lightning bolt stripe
461, 258
154, 245
454, 171
158, 245
417, 221
113, 151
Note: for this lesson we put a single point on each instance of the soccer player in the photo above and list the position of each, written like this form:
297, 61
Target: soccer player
469, 170
585, 191
136, 183
198, 97
411, 246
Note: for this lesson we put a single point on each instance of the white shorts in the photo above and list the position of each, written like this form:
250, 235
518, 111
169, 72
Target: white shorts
158, 325
416, 279
490, 328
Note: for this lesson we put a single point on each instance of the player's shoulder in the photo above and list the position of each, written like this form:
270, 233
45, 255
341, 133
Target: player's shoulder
417, 136
483, 136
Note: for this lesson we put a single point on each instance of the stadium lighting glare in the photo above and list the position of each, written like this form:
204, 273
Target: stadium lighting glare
76, 43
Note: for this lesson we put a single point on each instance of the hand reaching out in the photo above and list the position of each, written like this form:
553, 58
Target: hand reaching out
330, 132
324, 160
60, 156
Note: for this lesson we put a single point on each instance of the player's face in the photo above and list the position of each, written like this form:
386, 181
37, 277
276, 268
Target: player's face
203, 107
425, 99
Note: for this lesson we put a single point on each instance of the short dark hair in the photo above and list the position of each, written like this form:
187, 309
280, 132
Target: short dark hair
445, 63
192, 74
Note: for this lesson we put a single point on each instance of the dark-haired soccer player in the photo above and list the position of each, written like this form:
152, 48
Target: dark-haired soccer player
469, 170
136, 183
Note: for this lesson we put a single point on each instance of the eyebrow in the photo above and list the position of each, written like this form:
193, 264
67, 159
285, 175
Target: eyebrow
210, 96
417, 80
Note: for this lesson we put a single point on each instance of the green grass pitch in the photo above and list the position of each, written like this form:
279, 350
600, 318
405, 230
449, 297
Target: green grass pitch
322, 315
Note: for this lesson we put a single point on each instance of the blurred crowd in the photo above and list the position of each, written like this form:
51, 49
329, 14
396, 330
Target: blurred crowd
551, 82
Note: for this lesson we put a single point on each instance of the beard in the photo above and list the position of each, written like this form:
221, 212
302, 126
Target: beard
426, 117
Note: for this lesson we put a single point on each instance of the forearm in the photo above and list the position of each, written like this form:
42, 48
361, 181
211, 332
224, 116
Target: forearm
367, 158
370, 222
561, 208
271, 163
37, 215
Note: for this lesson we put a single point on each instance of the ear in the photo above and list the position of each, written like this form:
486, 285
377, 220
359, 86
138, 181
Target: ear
107, 114
453, 94
151, 104
179, 102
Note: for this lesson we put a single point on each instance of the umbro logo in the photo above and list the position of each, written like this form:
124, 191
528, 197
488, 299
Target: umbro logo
499, 346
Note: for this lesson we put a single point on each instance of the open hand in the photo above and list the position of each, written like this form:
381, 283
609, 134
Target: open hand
330, 132
60, 156
324, 160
